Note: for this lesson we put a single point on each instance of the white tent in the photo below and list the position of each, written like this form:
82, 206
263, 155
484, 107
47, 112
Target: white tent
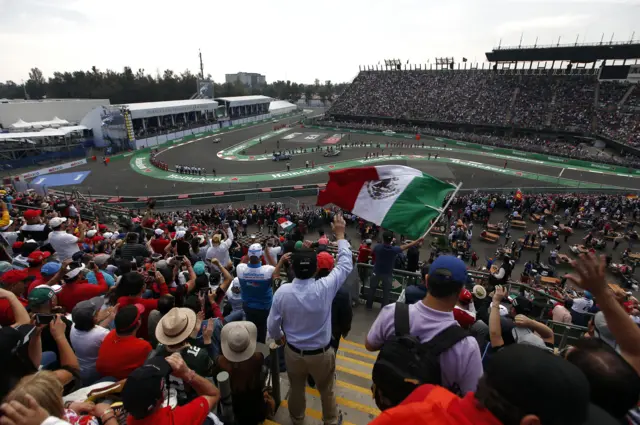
279, 107
23, 125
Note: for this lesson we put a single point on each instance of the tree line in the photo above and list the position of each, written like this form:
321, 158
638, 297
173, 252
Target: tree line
132, 87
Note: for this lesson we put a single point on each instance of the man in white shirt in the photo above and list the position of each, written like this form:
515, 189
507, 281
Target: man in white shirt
65, 244
220, 249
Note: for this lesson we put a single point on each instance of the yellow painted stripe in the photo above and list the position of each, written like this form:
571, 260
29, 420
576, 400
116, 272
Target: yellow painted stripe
312, 413
353, 372
346, 403
358, 353
356, 388
355, 344
268, 422
354, 361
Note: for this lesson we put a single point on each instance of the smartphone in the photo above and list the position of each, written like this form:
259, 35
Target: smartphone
180, 257
44, 319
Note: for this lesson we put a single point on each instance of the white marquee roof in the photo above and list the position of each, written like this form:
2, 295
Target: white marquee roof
47, 132
37, 124
244, 100
154, 109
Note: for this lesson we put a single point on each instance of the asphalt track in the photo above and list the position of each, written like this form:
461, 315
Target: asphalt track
119, 177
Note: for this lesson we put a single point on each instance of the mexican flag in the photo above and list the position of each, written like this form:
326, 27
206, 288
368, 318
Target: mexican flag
285, 224
398, 198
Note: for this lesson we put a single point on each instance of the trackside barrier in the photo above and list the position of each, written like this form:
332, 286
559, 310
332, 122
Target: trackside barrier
497, 150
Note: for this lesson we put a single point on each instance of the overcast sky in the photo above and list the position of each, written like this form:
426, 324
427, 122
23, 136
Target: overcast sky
287, 39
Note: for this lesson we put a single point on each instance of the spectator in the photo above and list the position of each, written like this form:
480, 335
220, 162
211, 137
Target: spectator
121, 352
143, 395
255, 282
244, 363
65, 244
47, 274
90, 328
384, 256
220, 249
13, 283
132, 248
561, 311
43, 302
165, 304
76, 288
102, 261
34, 228
461, 365
159, 242
308, 349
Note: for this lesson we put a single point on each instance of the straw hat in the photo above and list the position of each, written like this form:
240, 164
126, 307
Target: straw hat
238, 341
175, 326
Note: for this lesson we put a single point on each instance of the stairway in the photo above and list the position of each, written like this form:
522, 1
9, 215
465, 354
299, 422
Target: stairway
353, 389
627, 94
514, 98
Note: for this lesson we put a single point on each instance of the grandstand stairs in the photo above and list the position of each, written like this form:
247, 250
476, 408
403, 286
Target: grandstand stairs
353, 382
514, 98
552, 109
627, 94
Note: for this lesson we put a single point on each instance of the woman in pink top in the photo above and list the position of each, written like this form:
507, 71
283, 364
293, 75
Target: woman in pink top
561, 312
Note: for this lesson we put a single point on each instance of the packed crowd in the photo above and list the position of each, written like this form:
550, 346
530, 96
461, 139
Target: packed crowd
560, 102
147, 313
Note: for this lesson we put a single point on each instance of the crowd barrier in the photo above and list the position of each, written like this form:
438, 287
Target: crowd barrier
501, 151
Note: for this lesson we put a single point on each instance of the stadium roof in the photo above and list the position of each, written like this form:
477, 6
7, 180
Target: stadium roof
244, 100
153, 109
47, 132
582, 53
54, 122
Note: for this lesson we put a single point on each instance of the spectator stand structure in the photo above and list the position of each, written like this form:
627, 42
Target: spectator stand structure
244, 109
545, 92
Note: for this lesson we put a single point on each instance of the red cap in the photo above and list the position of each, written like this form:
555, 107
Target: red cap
31, 213
17, 245
38, 256
14, 276
465, 296
325, 261
102, 227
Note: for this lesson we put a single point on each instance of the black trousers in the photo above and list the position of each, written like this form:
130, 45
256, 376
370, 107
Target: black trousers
259, 318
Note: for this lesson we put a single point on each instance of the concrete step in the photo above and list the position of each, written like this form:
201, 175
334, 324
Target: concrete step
353, 389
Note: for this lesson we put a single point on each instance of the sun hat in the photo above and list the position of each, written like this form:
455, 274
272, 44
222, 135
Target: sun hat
176, 326
479, 292
238, 341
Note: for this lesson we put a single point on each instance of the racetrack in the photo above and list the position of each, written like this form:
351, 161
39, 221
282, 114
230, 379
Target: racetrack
250, 166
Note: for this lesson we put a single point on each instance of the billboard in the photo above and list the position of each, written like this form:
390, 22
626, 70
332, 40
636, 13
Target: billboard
205, 89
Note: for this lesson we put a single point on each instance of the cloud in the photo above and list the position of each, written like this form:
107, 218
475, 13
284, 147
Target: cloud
28, 16
543, 23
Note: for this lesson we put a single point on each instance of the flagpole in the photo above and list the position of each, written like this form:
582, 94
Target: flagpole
443, 210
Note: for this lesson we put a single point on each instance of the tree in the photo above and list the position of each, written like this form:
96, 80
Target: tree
329, 88
36, 84
308, 93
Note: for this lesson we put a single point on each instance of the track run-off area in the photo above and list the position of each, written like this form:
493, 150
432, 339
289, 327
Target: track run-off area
424, 151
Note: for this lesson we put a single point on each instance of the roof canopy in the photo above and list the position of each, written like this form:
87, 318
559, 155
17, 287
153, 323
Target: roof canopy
47, 132
55, 122
155, 109
244, 100
581, 53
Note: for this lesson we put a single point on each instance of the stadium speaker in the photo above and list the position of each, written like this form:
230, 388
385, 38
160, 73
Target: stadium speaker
495, 66
399, 67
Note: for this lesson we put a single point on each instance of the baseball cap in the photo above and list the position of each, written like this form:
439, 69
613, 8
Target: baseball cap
75, 269
56, 221
38, 256
42, 294
298, 245
542, 384
158, 232
12, 338
144, 387
522, 305
325, 261
32, 213
180, 234
83, 312
128, 317
101, 259
14, 276
50, 269
91, 233
255, 250
5, 267
447, 268
465, 296
304, 262
198, 268
368, 241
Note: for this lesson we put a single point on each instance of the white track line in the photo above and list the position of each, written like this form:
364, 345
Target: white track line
561, 171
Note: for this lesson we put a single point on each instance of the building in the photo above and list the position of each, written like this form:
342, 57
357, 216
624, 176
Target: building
249, 79
46, 110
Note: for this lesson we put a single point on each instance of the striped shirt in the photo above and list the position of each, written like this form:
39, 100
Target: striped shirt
37, 232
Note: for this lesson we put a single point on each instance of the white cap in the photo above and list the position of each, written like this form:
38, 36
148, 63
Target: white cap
503, 310
74, 272
56, 221
180, 234
7, 226
158, 232
255, 250
179, 222
91, 233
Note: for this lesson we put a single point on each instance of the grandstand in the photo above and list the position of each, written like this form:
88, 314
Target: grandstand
530, 96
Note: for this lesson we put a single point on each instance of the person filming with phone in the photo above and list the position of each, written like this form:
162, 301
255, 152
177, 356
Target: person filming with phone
43, 304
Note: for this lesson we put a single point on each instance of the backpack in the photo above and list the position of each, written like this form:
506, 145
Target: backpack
405, 363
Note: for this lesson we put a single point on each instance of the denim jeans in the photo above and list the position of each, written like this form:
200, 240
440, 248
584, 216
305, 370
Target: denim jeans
386, 281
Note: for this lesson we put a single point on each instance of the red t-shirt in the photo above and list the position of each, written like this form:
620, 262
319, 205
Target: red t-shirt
39, 281
149, 305
194, 412
363, 254
35, 272
7, 318
158, 245
72, 293
120, 355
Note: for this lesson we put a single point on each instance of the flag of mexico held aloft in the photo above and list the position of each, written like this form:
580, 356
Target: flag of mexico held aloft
285, 224
398, 198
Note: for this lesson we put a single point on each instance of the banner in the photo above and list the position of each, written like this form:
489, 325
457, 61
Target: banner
205, 89
32, 174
